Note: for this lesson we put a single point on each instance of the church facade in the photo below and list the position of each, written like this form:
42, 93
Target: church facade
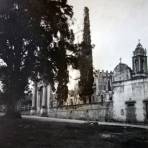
42, 98
130, 89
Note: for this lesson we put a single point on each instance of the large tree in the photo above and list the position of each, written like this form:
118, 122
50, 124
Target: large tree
86, 62
61, 50
66, 54
34, 37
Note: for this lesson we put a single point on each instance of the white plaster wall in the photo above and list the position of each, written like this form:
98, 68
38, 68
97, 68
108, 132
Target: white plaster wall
118, 102
137, 90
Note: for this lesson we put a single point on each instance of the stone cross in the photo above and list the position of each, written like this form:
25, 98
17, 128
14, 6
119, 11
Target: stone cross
120, 60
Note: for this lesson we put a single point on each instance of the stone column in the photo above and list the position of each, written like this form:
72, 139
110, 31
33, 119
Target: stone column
48, 97
38, 101
44, 101
34, 97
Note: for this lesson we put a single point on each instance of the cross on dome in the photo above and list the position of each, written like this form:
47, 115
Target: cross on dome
120, 60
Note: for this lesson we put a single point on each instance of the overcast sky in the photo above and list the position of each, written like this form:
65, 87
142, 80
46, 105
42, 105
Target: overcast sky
116, 26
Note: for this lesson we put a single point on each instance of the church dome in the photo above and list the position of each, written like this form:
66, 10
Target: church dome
121, 67
139, 50
121, 72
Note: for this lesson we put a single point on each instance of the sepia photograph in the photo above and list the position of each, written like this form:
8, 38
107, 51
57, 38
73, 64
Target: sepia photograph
73, 74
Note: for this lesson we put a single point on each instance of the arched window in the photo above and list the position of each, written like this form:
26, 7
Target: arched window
142, 65
136, 65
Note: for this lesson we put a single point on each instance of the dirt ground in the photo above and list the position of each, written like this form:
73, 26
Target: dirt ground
36, 134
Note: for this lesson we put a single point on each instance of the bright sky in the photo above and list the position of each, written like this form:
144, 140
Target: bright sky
116, 26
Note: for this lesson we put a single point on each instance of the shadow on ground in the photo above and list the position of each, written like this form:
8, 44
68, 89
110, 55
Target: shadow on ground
24, 133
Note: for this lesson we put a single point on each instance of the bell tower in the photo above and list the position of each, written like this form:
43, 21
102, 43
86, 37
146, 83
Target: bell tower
139, 61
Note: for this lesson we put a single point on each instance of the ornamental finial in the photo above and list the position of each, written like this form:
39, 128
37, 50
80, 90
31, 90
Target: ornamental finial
120, 60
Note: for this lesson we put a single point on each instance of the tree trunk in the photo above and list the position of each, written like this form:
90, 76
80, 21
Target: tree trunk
12, 111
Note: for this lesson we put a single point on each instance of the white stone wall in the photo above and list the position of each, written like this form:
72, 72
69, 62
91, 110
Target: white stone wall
85, 112
134, 90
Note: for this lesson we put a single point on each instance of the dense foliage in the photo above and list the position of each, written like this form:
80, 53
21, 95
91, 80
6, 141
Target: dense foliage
85, 61
34, 40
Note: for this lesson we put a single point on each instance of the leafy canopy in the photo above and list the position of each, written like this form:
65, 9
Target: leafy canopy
34, 39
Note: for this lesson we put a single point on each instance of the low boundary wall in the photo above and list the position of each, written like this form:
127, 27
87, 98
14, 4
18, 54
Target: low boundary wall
85, 112
94, 112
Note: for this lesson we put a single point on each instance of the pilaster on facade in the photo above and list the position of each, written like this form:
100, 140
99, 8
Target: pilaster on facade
34, 99
41, 98
38, 101
44, 101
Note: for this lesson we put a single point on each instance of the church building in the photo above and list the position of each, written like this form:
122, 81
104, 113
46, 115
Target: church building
130, 89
